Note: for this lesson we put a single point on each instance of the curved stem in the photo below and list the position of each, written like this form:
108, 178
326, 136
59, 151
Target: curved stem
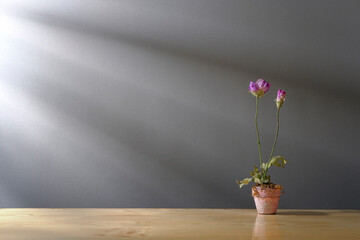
276, 136
257, 129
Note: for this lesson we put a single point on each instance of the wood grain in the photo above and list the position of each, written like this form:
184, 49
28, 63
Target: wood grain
179, 224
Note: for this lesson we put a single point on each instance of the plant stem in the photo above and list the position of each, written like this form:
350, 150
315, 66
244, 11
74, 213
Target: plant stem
257, 129
276, 136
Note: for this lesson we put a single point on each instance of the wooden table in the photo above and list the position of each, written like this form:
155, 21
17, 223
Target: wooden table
161, 224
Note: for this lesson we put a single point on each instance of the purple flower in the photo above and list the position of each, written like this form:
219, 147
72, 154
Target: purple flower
259, 88
253, 87
280, 99
263, 85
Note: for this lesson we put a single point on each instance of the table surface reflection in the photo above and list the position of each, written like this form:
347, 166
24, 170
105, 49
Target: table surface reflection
95, 223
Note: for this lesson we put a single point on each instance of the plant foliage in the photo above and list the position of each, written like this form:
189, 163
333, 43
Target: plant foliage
260, 176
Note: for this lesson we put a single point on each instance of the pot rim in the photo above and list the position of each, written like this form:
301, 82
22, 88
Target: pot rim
264, 192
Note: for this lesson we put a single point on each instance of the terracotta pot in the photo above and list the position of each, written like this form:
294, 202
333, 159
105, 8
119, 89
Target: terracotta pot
266, 199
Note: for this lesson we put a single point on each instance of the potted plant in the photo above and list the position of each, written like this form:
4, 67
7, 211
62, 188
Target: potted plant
266, 194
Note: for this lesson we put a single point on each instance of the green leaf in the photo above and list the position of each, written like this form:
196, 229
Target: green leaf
263, 166
244, 182
278, 161
257, 180
266, 179
256, 175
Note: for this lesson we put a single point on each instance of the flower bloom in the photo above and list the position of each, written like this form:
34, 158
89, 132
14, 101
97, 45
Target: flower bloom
280, 99
259, 88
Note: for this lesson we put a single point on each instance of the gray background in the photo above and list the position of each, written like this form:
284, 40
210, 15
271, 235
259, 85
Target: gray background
145, 103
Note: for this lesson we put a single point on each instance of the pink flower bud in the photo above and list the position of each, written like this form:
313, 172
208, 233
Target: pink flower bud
280, 99
259, 88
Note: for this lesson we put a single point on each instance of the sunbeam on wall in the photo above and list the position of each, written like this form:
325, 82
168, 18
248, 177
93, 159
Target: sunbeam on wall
84, 115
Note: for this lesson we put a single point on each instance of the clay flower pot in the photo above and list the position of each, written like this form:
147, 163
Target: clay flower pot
266, 199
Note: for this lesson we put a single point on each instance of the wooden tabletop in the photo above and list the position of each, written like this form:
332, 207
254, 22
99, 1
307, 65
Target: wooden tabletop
161, 224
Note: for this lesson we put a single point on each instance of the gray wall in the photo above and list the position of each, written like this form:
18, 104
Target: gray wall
146, 103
